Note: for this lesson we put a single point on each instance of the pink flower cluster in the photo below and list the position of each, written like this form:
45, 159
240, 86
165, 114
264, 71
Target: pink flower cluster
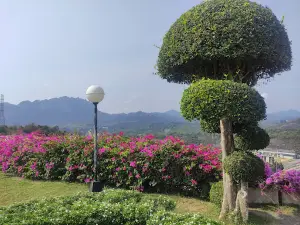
13, 150
123, 161
287, 181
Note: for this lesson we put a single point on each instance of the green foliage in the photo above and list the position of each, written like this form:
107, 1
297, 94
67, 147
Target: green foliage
108, 207
252, 138
215, 127
244, 166
216, 193
212, 100
239, 38
169, 218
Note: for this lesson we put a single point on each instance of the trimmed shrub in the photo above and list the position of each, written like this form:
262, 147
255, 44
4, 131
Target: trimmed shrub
216, 193
252, 138
220, 37
110, 207
88, 209
244, 166
212, 100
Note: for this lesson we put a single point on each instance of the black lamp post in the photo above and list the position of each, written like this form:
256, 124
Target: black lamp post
95, 94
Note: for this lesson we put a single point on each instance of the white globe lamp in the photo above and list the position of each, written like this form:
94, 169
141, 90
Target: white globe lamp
95, 94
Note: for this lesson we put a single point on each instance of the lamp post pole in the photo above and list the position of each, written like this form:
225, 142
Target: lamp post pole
95, 94
95, 140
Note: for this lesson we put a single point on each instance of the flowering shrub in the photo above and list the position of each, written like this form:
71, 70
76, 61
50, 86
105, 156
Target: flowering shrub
139, 163
285, 181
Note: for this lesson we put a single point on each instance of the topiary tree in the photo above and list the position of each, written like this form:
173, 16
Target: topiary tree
235, 40
239, 38
244, 167
227, 102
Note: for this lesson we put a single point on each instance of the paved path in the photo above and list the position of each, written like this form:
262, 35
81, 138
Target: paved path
292, 164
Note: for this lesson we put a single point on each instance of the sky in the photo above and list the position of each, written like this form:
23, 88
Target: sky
54, 48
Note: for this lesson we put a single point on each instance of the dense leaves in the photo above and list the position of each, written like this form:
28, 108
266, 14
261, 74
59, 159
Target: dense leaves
244, 166
166, 165
109, 207
215, 127
239, 38
212, 100
170, 218
252, 138
216, 193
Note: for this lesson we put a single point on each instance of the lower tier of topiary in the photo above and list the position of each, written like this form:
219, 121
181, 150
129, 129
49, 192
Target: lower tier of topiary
111, 207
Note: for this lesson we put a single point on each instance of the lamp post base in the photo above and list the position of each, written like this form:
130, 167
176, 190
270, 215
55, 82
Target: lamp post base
96, 186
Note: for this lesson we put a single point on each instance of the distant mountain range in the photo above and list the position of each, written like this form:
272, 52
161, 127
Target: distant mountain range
282, 117
71, 113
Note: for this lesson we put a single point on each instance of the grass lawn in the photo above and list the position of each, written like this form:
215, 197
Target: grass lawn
13, 190
16, 190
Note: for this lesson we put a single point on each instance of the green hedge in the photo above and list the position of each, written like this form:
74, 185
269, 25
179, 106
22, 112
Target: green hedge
111, 207
216, 193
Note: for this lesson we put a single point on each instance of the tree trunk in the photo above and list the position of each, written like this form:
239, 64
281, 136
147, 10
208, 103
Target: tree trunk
241, 207
229, 191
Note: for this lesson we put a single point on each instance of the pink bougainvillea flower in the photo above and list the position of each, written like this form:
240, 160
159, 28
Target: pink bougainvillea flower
133, 164
194, 182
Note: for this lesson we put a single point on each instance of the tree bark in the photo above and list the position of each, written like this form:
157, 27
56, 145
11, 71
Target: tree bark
241, 207
229, 191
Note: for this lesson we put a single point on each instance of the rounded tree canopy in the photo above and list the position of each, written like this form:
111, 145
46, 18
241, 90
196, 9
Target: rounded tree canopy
217, 37
244, 166
213, 100
252, 138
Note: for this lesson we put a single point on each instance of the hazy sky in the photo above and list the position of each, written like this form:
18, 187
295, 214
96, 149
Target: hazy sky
53, 48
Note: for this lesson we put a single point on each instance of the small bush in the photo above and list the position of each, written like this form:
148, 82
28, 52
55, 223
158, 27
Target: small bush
244, 166
216, 193
110, 207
